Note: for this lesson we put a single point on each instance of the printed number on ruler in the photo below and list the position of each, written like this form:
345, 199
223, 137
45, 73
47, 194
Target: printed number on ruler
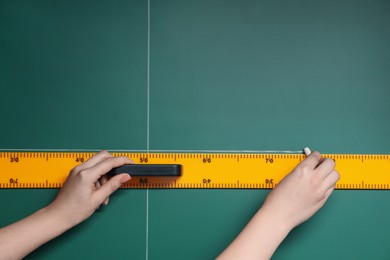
201, 171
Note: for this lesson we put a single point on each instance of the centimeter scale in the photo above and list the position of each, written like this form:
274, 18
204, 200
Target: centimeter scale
197, 170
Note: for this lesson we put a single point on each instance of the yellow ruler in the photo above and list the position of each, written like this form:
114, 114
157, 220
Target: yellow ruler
199, 170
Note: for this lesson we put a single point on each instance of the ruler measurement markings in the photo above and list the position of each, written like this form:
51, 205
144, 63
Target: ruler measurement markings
217, 161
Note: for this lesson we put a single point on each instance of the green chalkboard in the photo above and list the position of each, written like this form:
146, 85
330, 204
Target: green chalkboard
215, 75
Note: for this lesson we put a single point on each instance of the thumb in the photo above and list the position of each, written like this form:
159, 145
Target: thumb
111, 186
312, 160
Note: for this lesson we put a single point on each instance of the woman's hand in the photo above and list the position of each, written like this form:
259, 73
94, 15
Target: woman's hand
302, 192
294, 200
87, 187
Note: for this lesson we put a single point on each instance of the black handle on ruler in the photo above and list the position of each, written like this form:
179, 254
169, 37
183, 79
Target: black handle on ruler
173, 170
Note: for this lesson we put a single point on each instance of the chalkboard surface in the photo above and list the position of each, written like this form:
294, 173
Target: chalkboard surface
220, 75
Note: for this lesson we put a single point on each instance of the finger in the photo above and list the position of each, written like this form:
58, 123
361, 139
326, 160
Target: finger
97, 185
329, 192
331, 179
106, 165
311, 161
325, 167
94, 160
111, 186
103, 180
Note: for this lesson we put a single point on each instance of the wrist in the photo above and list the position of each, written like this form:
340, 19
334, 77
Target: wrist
275, 221
53, 216
260, 238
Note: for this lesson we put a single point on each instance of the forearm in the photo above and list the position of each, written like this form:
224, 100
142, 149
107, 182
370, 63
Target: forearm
77, 200
19, 239
294, 200
259, 239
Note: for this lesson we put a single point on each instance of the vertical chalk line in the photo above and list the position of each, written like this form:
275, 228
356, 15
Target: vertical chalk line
148, 85
148, 133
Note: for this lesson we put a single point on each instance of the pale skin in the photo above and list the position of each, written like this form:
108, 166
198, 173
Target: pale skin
294, 200
85, 189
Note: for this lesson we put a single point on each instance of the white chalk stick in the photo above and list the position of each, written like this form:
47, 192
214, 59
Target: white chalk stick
307, 151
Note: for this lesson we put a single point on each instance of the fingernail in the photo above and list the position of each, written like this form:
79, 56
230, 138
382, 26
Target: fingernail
125, 178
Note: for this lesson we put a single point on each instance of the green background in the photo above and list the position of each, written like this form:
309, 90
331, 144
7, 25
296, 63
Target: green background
241, 75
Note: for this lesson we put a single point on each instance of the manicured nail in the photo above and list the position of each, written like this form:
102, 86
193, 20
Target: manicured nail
125, 178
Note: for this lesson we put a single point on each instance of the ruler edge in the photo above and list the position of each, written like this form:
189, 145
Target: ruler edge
137, 152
